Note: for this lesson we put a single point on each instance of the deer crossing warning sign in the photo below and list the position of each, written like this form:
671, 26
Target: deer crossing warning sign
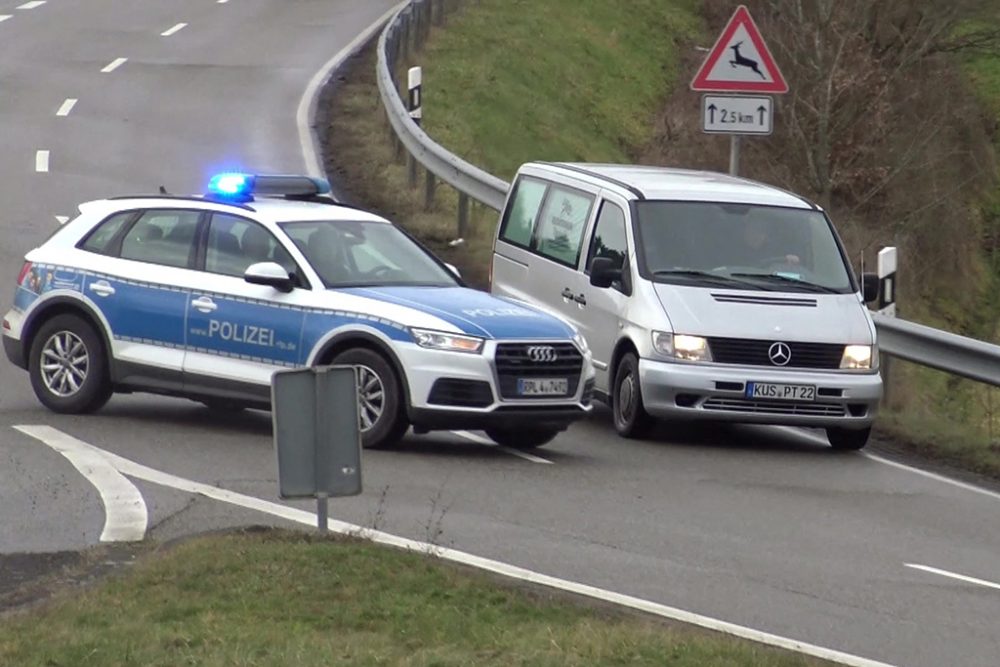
740, 61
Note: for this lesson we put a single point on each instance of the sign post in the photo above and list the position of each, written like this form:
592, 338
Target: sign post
316, 434
740, 62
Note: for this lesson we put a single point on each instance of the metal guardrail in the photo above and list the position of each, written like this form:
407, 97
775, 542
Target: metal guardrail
934, 348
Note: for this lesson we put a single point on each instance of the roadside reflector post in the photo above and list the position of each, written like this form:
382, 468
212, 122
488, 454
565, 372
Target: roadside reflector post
885, 268
414, 105
317, 438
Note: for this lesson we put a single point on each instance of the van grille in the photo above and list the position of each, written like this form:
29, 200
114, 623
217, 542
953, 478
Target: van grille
751, 352
513, 363
775, 407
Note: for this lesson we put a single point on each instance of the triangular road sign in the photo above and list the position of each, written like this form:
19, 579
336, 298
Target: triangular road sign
740, 61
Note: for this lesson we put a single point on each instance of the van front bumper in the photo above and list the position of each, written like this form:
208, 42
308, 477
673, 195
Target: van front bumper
718, 392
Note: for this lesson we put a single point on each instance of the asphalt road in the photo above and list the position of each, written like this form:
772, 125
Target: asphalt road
767, 528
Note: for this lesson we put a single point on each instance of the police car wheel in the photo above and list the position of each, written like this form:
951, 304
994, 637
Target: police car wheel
848, 439
382, 415
68, 366
523, 438
630, 416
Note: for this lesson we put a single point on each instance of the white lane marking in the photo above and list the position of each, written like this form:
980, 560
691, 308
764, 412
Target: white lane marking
303, 116
953, 575
42, 161
170, 31
125, 514
4, 17
62, 219
510, 450
114, 64
902, 466
67, 106
139, 471
222, 2
32, 4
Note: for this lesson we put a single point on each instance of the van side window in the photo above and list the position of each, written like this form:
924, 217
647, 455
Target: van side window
521, 214
561, 224
609, 236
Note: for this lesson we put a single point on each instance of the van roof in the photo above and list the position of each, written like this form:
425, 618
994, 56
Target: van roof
649, 182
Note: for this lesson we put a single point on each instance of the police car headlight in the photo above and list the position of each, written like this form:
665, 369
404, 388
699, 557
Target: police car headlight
857, 357
439, 340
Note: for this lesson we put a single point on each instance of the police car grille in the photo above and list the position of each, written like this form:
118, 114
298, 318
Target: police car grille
751, 352
775, 407
513, 363
461, 393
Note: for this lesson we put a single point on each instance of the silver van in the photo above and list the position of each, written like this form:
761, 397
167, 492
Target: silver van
701, 295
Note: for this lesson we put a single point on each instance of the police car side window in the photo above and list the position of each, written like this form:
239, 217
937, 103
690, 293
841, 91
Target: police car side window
519, 222
235, 243
561, 224
101, 239
162, 237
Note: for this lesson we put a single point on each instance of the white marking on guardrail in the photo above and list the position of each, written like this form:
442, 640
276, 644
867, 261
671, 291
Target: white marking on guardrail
139, 471
172, 31
304, 112
67, 106
510, 450
4, 17
62, 219
953, 575
114, 64
125, 514
42, 161
32, 4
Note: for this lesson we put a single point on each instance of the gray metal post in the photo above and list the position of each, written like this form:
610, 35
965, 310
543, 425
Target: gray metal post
463, 214
322, 512
734, 154
429, 187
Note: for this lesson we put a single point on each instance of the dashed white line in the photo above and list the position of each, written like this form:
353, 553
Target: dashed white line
62, 219
510, 450
170, 31
42, 161
953, 575
125, 515
4, 17
222, 2
114, 64
67, 106
32, 4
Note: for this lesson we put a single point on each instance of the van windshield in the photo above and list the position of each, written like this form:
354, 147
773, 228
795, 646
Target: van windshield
741, 246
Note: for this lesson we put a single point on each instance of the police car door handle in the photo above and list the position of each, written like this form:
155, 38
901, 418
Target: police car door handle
204, 304
102, 288
567, 293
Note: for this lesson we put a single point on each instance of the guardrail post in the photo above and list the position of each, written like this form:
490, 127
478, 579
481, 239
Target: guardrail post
463, 214
429, 187
418, 27
439, 14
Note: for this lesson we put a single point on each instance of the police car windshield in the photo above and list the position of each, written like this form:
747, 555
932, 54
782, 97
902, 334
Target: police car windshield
365, 254
768, 248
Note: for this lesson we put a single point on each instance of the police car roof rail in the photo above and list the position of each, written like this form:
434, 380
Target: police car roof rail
212, 200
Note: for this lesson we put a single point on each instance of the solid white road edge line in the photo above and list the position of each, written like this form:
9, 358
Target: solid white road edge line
171, 31
304, 114
125, 515
42, 161
67, 106
145, 473
114, 64
953, 575
4, 17
510, 450
901, 466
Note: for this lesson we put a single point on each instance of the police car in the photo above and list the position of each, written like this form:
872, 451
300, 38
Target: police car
205, 297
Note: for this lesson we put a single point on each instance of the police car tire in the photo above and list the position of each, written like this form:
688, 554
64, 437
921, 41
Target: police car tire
847, 440
634, 422
523, 438
391, 425
96, 388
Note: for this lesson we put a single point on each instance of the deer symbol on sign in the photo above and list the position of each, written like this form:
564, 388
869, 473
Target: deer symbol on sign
743, 61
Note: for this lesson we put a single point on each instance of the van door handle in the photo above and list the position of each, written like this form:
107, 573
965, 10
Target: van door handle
567, 293
581, 299
204, 304
102, 288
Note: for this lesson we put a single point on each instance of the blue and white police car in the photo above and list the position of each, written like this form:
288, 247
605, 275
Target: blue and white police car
205, 297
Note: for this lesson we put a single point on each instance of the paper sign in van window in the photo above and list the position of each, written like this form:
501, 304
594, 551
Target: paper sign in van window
561, 225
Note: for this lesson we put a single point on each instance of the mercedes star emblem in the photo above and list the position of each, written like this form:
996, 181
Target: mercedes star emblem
779, 354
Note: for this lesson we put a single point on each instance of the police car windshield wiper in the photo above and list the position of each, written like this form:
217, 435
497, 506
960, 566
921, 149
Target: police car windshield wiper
715, 277
778, 277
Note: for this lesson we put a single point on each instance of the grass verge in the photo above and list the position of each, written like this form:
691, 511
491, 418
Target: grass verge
283, 598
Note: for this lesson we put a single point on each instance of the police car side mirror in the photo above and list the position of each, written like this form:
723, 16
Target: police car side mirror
869, 287
269, 273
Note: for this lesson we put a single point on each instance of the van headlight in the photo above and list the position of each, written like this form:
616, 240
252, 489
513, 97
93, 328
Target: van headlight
681, 346
858, 357
439, 340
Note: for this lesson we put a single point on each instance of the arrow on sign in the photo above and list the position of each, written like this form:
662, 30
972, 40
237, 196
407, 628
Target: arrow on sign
761, 110
711, 115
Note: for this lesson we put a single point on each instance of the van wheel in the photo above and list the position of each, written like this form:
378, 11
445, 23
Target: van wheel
523, 439
631, 418
381, 413
848, 439
68, 366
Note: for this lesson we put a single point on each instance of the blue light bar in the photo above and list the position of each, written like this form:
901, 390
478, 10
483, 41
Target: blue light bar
238, 187
234, 186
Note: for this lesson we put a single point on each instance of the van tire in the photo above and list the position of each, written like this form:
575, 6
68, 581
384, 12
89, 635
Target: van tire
629, 413
523, 439
372, 369
89, 360
845, 439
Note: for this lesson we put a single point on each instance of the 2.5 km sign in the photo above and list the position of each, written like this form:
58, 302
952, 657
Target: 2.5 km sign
736, 114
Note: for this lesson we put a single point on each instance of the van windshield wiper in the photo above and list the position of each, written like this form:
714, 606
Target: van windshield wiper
706, 275
777, 277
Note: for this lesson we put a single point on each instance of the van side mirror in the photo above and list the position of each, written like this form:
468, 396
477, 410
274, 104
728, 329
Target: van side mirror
869, 287
603, 272
269, 273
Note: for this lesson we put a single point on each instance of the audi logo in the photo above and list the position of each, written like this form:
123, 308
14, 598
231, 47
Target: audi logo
542, 353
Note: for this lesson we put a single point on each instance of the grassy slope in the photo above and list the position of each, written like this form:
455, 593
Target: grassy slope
286, 599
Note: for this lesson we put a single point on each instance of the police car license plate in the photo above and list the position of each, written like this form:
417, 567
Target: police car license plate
781, 392
542, 386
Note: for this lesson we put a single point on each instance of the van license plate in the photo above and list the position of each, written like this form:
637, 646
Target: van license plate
543, 386
781, 392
